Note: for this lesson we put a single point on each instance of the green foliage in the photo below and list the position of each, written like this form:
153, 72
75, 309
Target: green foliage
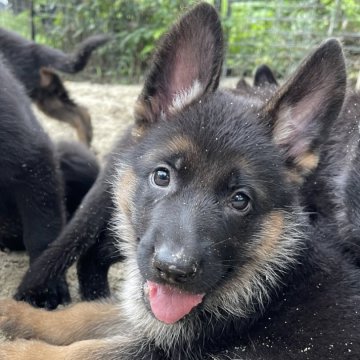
276, 32
280, 32
136, 26
19, 23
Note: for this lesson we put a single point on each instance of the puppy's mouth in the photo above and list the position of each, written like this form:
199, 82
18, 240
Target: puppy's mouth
168, 303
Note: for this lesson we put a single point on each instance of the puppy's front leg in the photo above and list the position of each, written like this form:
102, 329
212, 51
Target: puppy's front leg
105, 349
82, 321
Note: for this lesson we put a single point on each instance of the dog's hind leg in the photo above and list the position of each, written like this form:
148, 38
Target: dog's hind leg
39, 199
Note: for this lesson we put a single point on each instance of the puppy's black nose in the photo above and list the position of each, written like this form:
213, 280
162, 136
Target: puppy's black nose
174, 267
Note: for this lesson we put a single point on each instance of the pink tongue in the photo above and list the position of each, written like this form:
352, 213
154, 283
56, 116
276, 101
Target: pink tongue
169, 304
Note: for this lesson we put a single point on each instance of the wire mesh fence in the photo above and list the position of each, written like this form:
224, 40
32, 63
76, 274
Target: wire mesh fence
276, 32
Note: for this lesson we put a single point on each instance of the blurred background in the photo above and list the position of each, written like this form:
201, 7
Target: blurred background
276, 32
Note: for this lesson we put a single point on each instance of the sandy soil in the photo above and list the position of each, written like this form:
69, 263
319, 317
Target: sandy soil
111, 108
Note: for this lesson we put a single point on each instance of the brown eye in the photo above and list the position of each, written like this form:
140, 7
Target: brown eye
240, 201
162, 177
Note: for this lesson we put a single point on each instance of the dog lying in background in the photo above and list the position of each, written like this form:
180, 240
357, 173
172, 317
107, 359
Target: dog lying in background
34, 66
39, 183
220, 260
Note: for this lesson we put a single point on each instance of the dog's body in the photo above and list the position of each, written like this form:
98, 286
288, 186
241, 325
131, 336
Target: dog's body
37, 179
333, 190
220, 260
34, 64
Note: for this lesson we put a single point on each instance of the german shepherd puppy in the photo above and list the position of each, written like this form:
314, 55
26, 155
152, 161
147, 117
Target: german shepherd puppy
36, 177
34, 64
220, 260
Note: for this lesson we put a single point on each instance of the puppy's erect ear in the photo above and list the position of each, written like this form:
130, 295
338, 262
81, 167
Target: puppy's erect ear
302, 111
264, 76
243, 85
46, 76
186, 65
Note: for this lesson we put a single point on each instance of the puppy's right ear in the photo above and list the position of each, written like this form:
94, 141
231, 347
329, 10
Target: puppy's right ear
264, 76
186, 65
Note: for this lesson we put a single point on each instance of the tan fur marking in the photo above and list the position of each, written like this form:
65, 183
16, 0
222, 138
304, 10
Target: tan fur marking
143, 112
307, 162
138, 130
181, 144
294, 177
46, 77
77, 116
270, 234
176, 145
124, 190
82, 321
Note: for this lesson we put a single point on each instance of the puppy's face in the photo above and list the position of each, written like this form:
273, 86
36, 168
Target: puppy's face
208, 181
207, 195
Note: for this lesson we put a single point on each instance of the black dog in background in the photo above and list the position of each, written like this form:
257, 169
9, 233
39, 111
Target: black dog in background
34, 66
40, 185
264, 82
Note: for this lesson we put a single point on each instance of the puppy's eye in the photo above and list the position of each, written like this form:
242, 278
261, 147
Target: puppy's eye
240, 201
161, 177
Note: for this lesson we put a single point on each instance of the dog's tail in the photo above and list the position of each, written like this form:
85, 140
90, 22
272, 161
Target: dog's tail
76, 61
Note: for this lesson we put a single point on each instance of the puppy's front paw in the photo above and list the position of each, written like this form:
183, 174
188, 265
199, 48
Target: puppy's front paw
48, 296
14, 319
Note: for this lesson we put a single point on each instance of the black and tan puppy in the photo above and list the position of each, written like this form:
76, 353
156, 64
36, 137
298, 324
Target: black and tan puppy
38, 181
34, 65
220, 260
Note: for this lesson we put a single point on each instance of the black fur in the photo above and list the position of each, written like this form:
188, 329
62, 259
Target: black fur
79, 168
264, 76
332, 192
206, 195
32, 179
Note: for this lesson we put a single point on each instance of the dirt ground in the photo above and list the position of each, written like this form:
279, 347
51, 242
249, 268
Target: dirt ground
111, 108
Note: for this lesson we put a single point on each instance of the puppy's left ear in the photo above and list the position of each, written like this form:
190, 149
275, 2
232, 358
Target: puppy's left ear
264, 76
302, 111
186, 65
